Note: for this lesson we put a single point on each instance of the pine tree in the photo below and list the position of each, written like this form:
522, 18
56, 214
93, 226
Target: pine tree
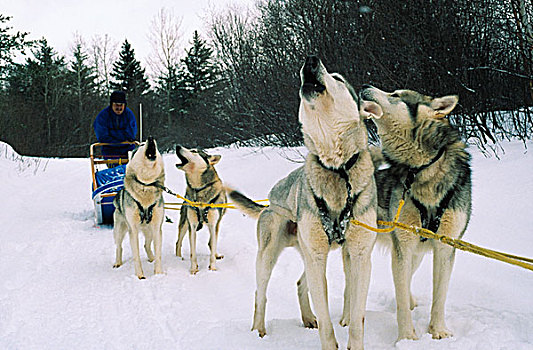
199, 70
84, 91
128, 74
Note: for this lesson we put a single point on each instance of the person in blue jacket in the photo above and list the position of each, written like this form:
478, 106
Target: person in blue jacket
114, 124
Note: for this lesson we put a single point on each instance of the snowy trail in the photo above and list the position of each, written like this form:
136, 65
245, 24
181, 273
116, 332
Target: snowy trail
59, 290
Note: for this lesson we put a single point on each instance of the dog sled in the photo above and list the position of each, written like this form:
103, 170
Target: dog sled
107, 179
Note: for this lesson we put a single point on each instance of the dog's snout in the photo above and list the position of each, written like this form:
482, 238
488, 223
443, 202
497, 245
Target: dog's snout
150, 149
312, 63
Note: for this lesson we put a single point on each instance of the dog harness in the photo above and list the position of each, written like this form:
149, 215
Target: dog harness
202, 214
336, 227
430, 222
145, 213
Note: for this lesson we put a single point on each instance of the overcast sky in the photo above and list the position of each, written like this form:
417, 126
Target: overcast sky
59, 20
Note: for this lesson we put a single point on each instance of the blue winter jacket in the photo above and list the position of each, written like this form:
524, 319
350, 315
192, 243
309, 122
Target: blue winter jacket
112, 128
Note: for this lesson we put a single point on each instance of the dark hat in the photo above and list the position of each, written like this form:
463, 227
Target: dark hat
118, 97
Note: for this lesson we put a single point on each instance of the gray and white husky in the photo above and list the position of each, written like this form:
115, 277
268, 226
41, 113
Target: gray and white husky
139, 206
311, 208
203, 186
428, 168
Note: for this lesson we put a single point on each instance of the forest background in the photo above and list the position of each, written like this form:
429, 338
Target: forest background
237, 80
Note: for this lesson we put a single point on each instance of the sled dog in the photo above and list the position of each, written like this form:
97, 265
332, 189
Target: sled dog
429, 169
139, 206
204, 186
311, 208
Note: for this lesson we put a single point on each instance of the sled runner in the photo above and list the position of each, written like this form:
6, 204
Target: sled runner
108, 178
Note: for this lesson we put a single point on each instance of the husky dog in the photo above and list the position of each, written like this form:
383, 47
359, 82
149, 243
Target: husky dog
139, 206
311, 208
204, 186
429, 169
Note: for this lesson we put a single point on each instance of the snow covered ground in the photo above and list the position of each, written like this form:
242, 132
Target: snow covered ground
58, 289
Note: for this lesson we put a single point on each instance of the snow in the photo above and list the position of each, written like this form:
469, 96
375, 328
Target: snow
59, 290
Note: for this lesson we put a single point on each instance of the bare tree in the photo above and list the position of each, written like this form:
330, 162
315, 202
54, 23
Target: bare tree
103, 54
165, 37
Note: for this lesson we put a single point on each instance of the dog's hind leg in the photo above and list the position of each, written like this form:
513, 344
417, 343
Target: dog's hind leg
119, 231
183, 227
270, 245
134, 241
308, 318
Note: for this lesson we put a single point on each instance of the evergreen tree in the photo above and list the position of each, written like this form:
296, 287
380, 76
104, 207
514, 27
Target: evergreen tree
9, 44
84, 92
128, 74
199, 70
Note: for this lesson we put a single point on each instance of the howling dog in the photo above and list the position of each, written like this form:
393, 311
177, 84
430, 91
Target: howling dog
204, 186
430, 170
139, 206
311, 208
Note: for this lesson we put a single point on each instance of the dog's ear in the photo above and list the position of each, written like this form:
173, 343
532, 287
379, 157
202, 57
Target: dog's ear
371, 109
442, 106
214, 159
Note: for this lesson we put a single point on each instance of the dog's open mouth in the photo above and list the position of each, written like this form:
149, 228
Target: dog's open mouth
151, 149
310, 76
181, 158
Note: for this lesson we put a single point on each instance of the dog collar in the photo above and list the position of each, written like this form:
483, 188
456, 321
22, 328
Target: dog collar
344, 167
412, 172
155, 184
198, 189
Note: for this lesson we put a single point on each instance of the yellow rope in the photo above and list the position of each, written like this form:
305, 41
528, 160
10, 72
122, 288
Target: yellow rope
525, 263
203, 205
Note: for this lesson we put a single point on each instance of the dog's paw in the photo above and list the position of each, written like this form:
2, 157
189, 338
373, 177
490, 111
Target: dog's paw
261, 332
311, 323
408, 334
141, 277
219, 257
212, 268
440, 332
194, 271
412, 302
345, 321
116, 266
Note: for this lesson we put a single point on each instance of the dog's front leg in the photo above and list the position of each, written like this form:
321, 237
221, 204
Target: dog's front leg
315, 248
359, 253
192, 242
345, 319
212, 246
157, 235
402, 256
134, 242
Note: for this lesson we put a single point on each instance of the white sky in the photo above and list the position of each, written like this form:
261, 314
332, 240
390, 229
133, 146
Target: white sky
59, 20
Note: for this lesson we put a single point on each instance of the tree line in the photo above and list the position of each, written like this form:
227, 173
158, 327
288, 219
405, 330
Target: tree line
239, 82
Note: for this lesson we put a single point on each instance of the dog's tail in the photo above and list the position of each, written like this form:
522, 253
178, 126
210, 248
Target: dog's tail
245, 204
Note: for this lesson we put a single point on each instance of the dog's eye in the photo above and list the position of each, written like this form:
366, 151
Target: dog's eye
395, 95
336, 77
